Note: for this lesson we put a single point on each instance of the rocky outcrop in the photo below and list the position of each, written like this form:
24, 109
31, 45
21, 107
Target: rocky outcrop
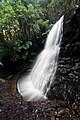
67, 83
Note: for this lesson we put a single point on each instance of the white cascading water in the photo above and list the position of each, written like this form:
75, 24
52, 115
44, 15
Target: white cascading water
35, 86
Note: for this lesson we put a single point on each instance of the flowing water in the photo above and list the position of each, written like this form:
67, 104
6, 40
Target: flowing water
35, 86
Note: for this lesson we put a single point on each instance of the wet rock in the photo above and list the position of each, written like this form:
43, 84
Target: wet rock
67, 82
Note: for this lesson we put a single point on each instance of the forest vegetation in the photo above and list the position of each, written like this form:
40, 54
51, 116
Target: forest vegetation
24, 25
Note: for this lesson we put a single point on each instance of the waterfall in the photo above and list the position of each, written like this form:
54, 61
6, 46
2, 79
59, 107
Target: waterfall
35, 86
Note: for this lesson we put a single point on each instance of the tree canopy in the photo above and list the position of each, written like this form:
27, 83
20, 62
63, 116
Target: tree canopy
25, 23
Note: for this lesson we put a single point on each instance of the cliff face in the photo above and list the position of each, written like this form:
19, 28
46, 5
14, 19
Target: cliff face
67, 83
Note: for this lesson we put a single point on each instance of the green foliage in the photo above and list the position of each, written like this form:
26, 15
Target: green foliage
58, 7
20, 23
15, 50
1, 80
18, 45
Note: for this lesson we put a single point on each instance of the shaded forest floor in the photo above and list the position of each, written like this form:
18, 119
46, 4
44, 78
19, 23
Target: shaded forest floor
13, 107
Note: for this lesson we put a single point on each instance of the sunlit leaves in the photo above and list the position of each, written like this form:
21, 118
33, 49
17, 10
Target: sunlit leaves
23, 21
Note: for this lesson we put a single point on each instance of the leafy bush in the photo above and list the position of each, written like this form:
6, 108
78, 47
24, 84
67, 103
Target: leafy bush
21, 24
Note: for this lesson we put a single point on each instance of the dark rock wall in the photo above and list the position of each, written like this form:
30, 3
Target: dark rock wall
67, 82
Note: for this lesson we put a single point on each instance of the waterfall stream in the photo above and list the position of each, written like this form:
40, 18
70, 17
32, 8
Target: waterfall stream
35, 86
